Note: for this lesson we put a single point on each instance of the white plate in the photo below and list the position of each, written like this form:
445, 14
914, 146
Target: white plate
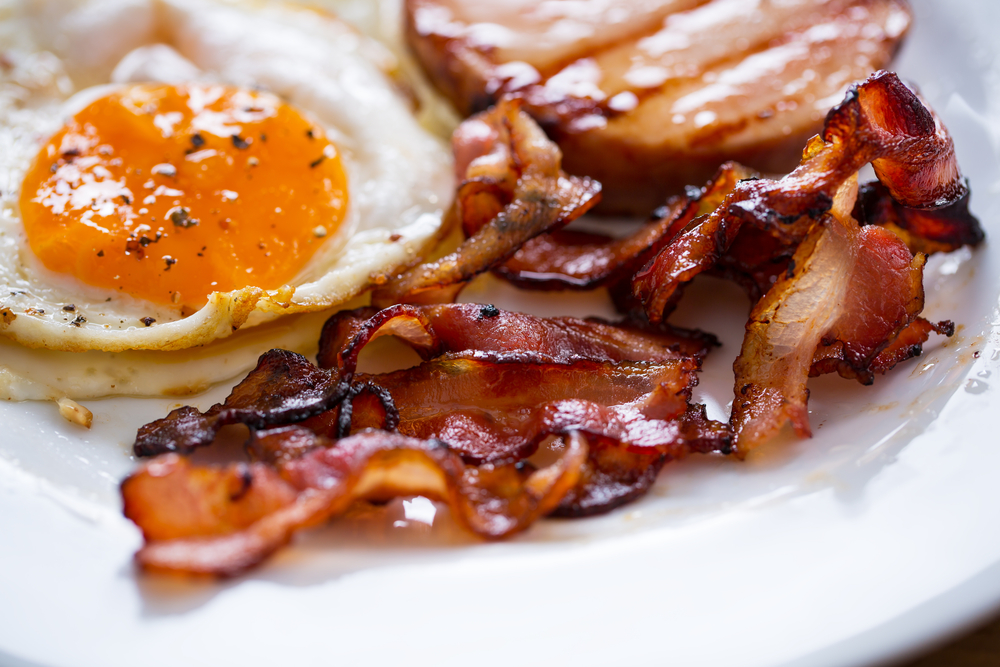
868, 542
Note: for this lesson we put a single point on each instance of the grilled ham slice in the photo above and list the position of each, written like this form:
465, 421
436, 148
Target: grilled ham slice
647, 96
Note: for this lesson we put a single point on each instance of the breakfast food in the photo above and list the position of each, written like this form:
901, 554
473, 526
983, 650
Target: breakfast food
648, 97
179, 182
467, 425
495, 388
210, 182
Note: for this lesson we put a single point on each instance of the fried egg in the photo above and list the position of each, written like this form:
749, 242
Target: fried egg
174, 170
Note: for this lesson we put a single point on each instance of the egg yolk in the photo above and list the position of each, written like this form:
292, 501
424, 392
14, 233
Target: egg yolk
170, 193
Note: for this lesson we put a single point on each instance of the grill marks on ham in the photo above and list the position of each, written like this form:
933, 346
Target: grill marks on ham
469, 422
648, 97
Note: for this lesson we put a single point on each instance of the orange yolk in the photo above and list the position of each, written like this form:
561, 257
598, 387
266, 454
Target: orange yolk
170, 193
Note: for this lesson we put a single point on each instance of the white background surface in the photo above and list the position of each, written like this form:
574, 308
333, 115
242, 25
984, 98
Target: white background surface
871, 540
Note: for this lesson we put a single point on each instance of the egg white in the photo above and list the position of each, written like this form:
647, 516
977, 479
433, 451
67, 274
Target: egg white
399, 176
58, 55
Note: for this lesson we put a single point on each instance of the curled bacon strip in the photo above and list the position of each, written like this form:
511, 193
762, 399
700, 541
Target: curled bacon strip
491, 373
434, 330
882, 122
513, 190
831, 358
492, 407
923, 230
851, 292
283, 388
498, 383
193, 523
572, 260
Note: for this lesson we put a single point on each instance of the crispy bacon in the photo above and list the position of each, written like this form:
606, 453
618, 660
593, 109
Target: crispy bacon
226, 534
282, 389
851, 291
491, 400
494, 388
491, 407
882, 122
923, 230
571, 260
831, 358
435, 330
285, 388
514, 190
490, 371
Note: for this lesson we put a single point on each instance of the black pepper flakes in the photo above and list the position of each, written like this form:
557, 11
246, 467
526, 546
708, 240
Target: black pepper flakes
100, 253
317, 162
80, 319
147, 320
181, 217
488, 311
241, 143
197, 140
169, 261
310, 133
69, 308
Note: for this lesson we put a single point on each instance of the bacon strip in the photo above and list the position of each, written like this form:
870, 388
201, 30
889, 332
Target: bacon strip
434, 330
696, 248
923, 230
514, 189
492, 501
853, 289
882, 122
282, 389
491, 400
831, 357
492, 407
570, 260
